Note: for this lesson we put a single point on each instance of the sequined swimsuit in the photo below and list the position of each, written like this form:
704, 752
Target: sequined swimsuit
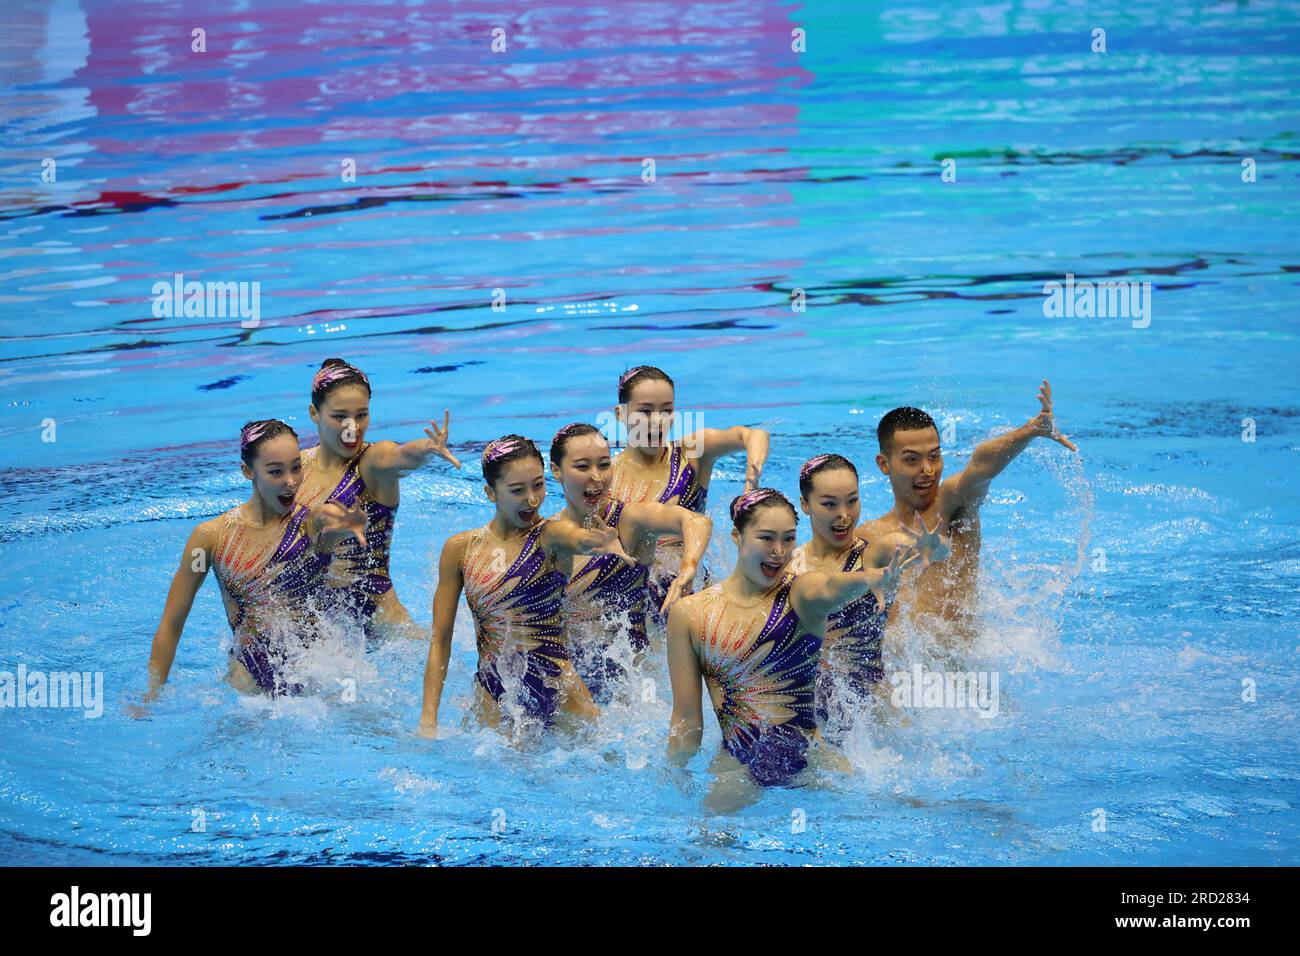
682, 488
850, 658
766, 683
517, 623
270, 588
604, 615
362, 571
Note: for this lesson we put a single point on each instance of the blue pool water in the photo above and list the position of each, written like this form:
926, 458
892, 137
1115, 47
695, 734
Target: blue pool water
1125, 690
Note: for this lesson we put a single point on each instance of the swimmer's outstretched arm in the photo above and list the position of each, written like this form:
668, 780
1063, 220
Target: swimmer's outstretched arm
817, 594
968, 488
186, 582
710, 444
389, 459
446, 597
651, 519
687, 727
563, 537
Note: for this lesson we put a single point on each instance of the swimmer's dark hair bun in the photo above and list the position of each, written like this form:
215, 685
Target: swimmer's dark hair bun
333, 361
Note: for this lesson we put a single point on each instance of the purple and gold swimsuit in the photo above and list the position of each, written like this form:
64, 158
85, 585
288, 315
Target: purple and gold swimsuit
517, 623
359, 575
604, 615
682, 488
765, 674
851, 653
270, 590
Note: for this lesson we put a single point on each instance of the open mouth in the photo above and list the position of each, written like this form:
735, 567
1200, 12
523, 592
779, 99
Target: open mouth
593, 497
770, 569
841, 531
922, 486
286, 501
350, 444
528, 516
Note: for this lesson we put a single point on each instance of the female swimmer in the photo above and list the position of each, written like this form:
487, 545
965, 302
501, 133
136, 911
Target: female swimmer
270, 557
512, 571
851, 665
605, 599
653, 468
754, 638
346, 469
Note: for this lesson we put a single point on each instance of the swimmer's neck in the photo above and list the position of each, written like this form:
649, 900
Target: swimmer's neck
819, 549
645, 457
327, 460
257, 512
904, 514
579, 517
505, 532
744, 589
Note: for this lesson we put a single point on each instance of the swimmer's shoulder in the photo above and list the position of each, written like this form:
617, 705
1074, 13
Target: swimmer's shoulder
874, 528
458, 544
207, 534
693, 605
227, 519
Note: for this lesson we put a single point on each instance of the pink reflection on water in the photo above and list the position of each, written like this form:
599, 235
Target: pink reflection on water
417, 77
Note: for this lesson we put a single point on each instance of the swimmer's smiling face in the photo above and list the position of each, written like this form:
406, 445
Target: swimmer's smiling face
648, 414
766, 545
518, 493
342, 419
276, 473
914, 464
833, 506
584, 472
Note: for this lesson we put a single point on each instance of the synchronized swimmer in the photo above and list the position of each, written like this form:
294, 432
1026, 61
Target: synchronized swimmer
567, 608
345, 468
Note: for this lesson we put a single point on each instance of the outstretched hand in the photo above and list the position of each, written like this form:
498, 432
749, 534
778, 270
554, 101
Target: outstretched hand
892, 573
438, 438
1044, 423
929, 543
335, 518
605, 539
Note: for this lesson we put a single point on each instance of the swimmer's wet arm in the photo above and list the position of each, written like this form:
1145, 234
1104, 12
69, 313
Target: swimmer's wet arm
715, 443
446, 597
817, 594
694, 529
687, 727
391, 458
195, 561
968, 488
561, 536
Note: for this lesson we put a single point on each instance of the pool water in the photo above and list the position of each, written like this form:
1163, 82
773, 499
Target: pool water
1139, 602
